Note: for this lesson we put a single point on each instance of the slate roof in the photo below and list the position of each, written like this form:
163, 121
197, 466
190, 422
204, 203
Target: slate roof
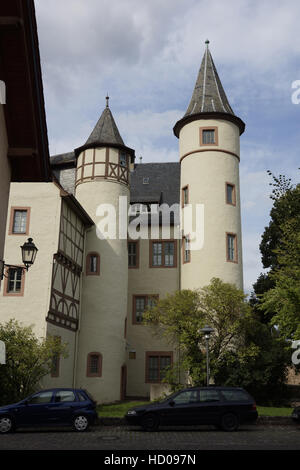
209, 99
105, 131
63, 159
163, 180
208, 95
163, 186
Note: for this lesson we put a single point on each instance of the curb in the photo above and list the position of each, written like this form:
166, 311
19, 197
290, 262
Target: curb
262, 420
280, 420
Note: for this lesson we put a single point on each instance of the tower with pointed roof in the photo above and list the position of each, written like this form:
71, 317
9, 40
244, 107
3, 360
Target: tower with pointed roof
102, 177
209, 147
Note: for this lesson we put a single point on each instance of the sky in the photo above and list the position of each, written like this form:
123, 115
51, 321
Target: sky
146, 56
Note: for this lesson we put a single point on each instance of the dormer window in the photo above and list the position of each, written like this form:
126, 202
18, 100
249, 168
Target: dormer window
136, 209
208, 136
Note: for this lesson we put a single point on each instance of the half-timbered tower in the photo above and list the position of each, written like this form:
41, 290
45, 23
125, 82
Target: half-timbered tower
102, 183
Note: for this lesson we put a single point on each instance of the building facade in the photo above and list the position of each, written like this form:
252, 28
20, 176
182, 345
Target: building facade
24, 154
91, 289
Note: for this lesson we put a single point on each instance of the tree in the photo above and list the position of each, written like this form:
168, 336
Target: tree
286, 207
28, 360
263, 373
179, 318
284, 297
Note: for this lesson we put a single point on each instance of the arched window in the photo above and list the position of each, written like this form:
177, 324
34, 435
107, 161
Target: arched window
93, 264
94, 365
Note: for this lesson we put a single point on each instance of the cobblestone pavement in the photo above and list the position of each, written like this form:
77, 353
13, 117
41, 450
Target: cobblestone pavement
131, 438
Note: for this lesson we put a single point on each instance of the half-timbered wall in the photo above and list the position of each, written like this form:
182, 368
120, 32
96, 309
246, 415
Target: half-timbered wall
67, 268
102, 163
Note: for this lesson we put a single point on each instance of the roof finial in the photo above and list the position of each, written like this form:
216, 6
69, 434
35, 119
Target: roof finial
107, 100
207, 42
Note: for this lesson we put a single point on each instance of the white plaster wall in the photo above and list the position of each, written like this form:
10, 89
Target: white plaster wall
206, 172
104, 297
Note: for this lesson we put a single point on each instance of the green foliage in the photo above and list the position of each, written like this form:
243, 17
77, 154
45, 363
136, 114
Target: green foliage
286, 206
276, 294
28, 360
259, 365
180, 317
283, 300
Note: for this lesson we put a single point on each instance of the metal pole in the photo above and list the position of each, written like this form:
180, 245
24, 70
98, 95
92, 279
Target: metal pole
207, 363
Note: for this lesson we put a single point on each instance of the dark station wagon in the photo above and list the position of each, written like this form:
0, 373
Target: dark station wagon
54, 407
224, 407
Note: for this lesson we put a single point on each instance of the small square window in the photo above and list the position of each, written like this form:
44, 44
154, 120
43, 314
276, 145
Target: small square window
208, 136
140, 304
14, 282
19, 221
94, 365
157, 365
145, 180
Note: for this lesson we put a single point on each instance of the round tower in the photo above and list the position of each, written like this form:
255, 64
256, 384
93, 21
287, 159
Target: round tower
103, 169
209, 143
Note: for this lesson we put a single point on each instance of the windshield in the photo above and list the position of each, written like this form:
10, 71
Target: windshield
168, 397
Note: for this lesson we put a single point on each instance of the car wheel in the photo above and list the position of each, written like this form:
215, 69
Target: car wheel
150, 422
80, 423
6, 424
230, 422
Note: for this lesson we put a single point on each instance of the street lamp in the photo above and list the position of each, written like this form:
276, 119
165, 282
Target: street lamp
207, 330
29, 251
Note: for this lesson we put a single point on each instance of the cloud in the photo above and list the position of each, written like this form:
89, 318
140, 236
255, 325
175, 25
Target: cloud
146, 55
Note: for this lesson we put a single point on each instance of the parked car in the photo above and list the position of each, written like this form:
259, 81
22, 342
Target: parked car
296, 414
53, 407
224, 407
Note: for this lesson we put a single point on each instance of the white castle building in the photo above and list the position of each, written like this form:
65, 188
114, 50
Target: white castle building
90, 291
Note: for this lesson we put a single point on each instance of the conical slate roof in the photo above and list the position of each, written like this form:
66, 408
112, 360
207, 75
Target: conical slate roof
105, 131
209, 99
209, 95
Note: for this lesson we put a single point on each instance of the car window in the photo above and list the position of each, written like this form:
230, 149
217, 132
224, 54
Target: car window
81, 396
209, 395
65, 395
89, 396
235, 395
189, 396
42, 397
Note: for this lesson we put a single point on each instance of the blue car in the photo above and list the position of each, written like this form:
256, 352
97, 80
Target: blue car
53, 407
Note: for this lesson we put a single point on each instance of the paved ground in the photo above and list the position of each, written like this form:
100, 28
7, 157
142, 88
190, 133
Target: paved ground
122, 438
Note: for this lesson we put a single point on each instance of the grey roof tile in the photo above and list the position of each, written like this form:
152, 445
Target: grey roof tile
62, 158
209, 95
164, 183
105, 131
